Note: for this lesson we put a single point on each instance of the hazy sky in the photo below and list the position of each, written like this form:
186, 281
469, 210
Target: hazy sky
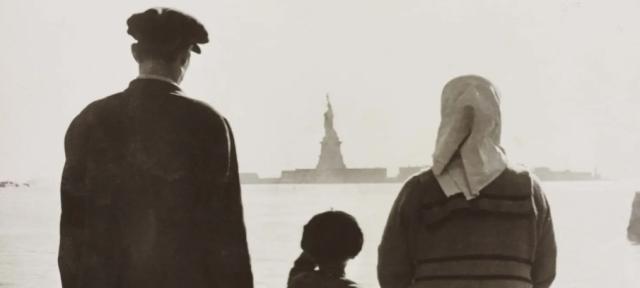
568, 73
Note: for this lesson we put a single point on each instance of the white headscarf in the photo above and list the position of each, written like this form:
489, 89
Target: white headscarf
468, 155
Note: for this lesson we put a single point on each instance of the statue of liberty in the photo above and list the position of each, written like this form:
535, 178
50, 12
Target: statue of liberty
330, 154
328, 120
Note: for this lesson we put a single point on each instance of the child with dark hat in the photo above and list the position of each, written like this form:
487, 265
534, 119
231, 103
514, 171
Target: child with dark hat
329, 240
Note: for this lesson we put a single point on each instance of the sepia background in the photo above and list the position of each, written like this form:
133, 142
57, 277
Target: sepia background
568, 73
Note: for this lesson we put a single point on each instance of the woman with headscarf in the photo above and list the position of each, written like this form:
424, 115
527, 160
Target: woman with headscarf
473, 219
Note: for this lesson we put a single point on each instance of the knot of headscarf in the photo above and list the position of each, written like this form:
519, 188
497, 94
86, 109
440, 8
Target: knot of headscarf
468, 155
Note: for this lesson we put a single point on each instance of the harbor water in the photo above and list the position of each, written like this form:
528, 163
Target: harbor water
590, 220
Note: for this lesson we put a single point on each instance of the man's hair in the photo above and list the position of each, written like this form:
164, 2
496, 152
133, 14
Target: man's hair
152, 52
332, 236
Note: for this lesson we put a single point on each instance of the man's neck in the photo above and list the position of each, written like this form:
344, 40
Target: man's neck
158, 71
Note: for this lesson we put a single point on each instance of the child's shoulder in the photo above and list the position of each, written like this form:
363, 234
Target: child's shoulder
317, 280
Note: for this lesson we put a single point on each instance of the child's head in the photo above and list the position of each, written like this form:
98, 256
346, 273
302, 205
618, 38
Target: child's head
332, 237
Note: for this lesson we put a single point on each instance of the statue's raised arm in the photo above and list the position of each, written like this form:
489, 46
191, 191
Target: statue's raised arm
328, 118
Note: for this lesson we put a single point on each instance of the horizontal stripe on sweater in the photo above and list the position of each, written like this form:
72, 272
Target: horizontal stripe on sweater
435, 220
457, 258
474, 267
444, 283
467, 277
458, 197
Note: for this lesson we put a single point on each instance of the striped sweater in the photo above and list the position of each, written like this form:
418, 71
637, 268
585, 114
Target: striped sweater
503, 238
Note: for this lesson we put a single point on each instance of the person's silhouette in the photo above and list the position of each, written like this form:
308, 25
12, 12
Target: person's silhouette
473, 219
150, 188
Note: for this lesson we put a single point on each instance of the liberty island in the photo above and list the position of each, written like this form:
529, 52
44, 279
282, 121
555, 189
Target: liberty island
331, 167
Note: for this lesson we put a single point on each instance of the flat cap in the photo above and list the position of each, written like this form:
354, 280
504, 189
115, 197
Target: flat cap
167, 28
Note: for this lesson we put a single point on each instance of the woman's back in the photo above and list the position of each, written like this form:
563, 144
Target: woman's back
502, 238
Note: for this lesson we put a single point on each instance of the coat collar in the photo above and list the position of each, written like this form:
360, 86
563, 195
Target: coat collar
154, 84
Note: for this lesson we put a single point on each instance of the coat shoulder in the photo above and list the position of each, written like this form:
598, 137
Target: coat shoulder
203, 109
92, 112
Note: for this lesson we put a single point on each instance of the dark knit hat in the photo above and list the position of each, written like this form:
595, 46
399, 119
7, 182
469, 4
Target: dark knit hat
167, 29
332, 236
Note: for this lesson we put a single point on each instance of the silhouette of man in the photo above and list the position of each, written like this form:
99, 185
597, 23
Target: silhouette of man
150, 188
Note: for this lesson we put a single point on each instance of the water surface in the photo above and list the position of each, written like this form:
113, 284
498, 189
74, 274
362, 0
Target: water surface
590, 223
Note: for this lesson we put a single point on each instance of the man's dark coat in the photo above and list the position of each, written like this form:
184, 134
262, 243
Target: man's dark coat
151, 194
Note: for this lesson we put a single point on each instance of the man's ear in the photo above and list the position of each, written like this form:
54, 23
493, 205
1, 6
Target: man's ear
184, 57
135, 52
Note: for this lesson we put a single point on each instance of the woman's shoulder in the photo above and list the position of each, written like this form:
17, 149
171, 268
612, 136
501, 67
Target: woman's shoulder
421, 180
419, 189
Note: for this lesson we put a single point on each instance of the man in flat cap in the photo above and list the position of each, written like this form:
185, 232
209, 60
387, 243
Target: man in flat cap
150, 189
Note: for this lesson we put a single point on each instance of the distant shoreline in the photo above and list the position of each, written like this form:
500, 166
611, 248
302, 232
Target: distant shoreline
344, 176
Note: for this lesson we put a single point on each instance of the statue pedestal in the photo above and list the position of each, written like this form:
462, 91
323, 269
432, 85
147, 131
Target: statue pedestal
633, 231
